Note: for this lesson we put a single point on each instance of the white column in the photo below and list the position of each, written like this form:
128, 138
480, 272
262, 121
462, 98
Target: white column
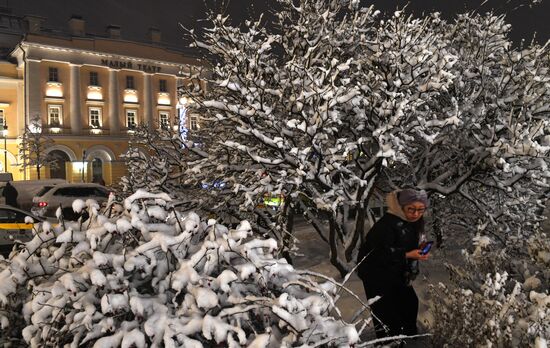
75, 112
114, 116
147, 101
33, 90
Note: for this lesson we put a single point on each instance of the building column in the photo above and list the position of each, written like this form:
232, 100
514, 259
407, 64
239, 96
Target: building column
33, 90
114, 117
76, 116
20, 108
147, 101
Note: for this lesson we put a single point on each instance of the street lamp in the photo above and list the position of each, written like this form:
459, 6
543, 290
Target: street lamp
5, 135
83, 159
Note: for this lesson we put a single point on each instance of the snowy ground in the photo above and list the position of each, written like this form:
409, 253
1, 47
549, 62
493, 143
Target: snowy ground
315, 256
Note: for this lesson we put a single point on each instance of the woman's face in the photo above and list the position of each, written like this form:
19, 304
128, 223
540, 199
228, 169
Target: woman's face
414, 211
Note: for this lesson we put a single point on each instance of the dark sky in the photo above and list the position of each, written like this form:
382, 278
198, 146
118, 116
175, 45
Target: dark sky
136, 16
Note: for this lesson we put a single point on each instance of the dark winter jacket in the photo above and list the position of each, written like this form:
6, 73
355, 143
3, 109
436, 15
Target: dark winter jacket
10, 193
385, 266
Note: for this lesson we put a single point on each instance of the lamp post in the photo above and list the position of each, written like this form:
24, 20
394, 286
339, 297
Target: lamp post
5, 135
83, 161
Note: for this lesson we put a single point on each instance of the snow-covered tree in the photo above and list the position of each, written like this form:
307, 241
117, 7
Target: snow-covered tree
330, 102
140, 274
148, 162
33, 145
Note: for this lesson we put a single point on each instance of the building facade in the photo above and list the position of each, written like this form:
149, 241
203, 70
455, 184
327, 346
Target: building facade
88, 93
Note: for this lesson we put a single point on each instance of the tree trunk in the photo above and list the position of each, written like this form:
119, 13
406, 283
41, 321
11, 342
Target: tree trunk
288, 240
333, 244
359, 230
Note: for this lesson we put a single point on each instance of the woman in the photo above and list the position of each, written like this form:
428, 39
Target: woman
391, 253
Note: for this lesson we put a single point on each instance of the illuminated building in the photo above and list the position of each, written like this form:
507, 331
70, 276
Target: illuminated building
89, 92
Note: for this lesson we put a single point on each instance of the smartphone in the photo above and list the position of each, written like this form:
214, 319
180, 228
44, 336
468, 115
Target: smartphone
426, 247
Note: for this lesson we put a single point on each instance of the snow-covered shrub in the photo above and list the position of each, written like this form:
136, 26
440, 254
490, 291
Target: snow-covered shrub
143, 275
497, 299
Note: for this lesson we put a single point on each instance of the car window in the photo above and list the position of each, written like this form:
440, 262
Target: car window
43, 191
61, 192
8, 216
87, 191
79, 191
68, 191
101, 192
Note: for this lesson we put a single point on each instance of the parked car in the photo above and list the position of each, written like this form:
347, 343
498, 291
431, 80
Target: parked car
27, 190
15, 227
46, 202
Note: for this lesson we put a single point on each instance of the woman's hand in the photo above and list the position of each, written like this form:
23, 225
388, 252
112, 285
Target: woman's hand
416, 254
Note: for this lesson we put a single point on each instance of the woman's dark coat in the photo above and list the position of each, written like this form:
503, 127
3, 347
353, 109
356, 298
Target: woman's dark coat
385, 265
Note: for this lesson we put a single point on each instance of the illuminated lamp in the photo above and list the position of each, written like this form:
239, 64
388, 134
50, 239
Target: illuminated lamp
78, 166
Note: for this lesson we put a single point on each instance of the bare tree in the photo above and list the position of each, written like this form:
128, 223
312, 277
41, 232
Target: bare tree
33, 145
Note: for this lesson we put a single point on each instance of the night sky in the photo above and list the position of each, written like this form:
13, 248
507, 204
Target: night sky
136, 16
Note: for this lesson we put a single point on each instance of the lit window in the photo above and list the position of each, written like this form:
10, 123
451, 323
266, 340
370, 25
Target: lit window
2, 119
53, 75
95, 117
130, 82
131, 118
193, 123
164, 118
94, 79
55, 115
162, 86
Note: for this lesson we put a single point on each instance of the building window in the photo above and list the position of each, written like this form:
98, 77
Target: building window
53, 75
162, 86
2, 119
94, 79
131, 118
95, 117
55, 115
130, 82
193, 123
164, 119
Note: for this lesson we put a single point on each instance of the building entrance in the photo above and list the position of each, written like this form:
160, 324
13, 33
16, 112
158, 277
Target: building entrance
97, 170
57, 169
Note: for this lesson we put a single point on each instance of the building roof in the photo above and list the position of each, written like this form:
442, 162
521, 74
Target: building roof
15, 28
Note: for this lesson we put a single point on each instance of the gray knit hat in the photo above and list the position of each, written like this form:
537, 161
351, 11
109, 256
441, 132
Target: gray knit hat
408, 196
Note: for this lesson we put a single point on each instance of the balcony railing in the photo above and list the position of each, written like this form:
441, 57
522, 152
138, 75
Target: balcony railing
54, 89
163, 98
130, 96
95, 93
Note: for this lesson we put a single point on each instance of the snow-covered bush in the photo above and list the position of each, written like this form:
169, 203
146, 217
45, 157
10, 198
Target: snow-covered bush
143, 275
497, 299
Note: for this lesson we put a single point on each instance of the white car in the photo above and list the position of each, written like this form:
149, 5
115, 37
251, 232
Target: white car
46, 202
